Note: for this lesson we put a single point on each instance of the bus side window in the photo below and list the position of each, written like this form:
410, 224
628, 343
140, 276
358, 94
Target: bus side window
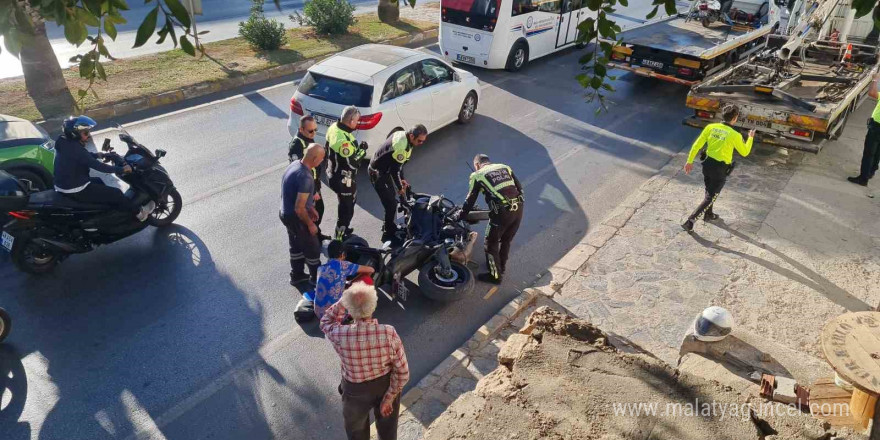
523, 7
552, 6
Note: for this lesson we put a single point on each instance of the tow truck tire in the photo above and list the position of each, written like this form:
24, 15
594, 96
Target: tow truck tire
518, 57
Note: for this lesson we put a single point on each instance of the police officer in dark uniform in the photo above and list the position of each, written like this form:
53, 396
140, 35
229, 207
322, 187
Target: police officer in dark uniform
344, 156
386, 172
504, 194
306, 136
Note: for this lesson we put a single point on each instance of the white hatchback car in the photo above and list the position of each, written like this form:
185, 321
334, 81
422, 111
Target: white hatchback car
393, 87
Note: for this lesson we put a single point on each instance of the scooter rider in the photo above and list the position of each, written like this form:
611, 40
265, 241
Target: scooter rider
296, 151
504, 194
72, 164
344, 156
386, 172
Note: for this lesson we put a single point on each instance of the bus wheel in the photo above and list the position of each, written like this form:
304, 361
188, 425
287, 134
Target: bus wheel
519, 56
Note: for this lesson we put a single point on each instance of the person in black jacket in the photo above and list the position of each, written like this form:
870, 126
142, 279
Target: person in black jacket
72, 165
386, 172
296, 151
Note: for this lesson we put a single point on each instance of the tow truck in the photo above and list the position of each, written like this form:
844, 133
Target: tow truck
799, 92
684, 50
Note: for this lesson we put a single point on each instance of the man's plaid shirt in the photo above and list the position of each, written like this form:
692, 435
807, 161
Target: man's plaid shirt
368, 350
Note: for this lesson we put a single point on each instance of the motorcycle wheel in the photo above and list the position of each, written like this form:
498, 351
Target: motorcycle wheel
5, 324
445, 290
166, 210
33, 259
705, 22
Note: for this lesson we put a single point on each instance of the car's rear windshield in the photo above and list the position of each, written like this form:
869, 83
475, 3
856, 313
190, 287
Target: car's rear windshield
336, 90
17, 133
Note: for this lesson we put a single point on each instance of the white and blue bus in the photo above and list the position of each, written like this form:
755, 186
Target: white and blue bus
506, 34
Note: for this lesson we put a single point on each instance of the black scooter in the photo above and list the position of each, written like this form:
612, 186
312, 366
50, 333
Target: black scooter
47, 226
5, 324
435, 242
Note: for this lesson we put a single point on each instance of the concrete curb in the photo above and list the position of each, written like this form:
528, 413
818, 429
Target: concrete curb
436, 386
129, 106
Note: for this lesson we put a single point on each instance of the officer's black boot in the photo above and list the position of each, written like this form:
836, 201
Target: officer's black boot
297, 271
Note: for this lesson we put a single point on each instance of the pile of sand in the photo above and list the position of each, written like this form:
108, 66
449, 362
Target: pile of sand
563, 381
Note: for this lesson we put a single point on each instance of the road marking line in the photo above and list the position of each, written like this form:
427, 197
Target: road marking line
237, 182
152, 428
491, 292
219, 101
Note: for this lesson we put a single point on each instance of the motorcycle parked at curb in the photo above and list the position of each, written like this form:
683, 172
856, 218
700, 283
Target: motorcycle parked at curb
47, 226
5, 324
436, 242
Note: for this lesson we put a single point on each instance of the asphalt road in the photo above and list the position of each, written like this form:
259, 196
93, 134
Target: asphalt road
188, 333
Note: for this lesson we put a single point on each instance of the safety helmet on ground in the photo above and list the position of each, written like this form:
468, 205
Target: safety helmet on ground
713, 324
73, 125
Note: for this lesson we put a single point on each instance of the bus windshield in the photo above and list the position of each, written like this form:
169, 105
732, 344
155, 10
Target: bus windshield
477, 14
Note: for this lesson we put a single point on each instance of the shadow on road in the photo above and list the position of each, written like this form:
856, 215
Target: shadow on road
13, 394
117, 303
801, 274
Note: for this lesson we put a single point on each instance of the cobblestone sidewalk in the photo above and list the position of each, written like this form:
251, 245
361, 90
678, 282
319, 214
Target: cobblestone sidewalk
797, 246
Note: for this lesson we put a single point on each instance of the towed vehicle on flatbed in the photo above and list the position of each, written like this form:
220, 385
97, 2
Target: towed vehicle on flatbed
683, 50
799, 92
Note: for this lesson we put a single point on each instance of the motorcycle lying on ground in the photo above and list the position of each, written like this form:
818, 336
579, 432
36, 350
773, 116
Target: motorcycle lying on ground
436, 242
47, 226
5, 324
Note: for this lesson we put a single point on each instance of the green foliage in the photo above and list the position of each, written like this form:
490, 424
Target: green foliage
328, 17
260, 32
602, 33
89, 21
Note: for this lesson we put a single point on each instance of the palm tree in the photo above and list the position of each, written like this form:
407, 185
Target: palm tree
42, 74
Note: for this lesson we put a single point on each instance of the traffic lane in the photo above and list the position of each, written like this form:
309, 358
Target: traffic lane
431, 330
161, 330
460, 320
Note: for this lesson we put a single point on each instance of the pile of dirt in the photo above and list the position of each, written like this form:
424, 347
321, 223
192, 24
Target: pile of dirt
563, 381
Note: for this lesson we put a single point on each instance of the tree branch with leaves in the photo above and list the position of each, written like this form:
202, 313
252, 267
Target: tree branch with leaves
22, 26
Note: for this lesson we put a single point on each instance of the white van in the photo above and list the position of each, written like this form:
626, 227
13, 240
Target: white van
506, 34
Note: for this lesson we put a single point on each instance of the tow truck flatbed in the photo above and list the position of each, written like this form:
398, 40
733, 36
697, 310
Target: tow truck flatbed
682, 50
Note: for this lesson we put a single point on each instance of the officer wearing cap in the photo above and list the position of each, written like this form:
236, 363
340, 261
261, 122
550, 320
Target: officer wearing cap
344, 156
504, 194
386, 172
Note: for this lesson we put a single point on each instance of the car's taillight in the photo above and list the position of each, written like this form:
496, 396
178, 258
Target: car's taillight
684, 71
801, 133
295, 107
22, 215
367, 122
705, 114
704, 6
618, 56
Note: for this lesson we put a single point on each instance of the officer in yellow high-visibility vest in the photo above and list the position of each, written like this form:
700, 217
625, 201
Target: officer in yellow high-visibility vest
386, 172
504, 194
344, 156
871, 153
720, 140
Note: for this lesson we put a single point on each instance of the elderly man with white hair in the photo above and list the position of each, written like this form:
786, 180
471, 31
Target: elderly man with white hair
374, 367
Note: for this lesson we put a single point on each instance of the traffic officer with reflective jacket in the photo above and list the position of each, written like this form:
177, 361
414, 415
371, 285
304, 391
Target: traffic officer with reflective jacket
344, 157
296, 151
720, 140
386, 172
504, 194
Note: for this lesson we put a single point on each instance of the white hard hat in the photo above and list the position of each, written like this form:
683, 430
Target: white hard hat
714, 324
